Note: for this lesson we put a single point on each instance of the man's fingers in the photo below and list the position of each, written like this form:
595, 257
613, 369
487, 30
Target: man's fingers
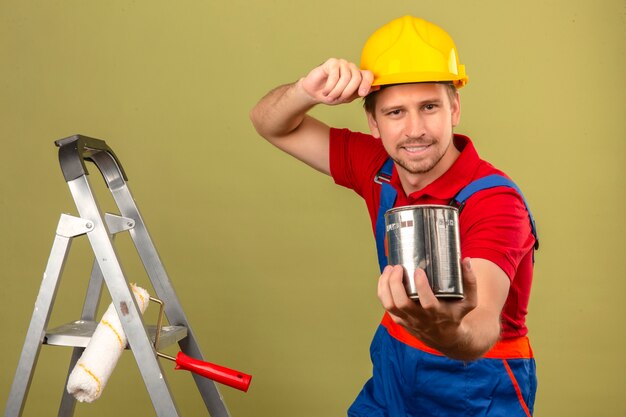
398, 291
343, 80
367, 78
332, 67
470, 287
350, 91
384, 294
341, 88
338, 81
384, 287
392, 293
425, 293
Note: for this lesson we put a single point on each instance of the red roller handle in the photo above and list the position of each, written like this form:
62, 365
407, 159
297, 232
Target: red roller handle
226, 376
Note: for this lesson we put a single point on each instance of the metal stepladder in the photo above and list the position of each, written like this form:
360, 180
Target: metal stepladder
100, 230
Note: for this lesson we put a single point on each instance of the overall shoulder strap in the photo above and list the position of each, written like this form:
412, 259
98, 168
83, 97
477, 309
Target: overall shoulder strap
387, 199
491, 181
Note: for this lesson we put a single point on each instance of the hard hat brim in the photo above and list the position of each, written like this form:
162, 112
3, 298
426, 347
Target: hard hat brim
423, 77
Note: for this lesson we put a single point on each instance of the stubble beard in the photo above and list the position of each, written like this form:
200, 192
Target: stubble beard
419, 167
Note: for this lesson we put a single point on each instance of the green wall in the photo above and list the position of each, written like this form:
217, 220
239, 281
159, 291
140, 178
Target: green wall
273, 263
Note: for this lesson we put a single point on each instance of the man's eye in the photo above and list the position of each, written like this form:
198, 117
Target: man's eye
394, 112
430, 106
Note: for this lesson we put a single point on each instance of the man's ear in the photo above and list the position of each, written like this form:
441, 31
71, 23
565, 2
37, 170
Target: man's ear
456, 110
373, 125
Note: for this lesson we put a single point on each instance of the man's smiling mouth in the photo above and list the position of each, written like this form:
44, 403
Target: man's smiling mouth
414, 148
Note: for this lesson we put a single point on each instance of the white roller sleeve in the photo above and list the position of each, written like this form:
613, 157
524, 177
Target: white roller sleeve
93, 369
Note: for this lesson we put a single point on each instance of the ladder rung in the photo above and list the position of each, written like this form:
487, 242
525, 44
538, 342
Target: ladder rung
79, 332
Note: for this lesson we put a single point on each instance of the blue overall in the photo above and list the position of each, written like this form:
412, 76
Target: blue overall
410, 382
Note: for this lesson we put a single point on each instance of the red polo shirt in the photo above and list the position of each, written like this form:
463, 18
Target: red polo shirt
493, 225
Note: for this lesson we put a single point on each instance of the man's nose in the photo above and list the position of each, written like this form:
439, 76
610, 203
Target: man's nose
414, 125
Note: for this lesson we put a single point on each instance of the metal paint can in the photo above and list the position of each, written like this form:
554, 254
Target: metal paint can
426, 237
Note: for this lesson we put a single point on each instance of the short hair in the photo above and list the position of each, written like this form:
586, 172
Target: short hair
369, 101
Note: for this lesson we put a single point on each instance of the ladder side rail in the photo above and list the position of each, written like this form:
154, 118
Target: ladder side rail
125, 305
41, 315
165, 291
114, 176
109, 167
90, 308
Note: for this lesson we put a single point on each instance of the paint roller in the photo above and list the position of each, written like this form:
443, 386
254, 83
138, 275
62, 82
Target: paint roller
93, 369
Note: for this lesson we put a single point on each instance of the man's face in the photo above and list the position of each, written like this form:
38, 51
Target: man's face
415, 122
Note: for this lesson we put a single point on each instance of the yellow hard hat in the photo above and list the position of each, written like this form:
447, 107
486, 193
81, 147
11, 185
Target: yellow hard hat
412, 50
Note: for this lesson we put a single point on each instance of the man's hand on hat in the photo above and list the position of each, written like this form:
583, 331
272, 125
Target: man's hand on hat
337, 81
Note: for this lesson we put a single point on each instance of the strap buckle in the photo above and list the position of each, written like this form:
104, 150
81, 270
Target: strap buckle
382, 177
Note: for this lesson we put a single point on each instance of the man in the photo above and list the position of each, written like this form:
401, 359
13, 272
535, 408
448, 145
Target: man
432, 357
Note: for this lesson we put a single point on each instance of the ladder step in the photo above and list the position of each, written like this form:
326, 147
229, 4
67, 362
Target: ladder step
79, 332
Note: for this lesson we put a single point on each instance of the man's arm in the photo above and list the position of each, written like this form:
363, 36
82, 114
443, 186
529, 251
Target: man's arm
464, 329
281, 116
